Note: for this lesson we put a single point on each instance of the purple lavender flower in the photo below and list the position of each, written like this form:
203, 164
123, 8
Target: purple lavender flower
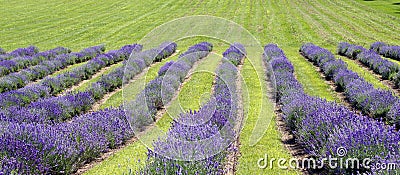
376, 46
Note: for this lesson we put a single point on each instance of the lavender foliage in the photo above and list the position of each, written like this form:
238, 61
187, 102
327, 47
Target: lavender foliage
54, 85
31, 148
75, 142
18, 63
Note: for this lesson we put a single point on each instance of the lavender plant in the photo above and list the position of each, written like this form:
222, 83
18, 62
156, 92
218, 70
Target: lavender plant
59, 109
31, 148
20, 52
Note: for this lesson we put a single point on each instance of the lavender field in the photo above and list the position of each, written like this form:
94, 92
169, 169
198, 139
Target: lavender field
200, 87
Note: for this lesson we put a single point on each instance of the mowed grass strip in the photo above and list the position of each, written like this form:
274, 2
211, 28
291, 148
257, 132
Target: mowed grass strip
391, 7
260, 120
309, 77
194, 93
133, 156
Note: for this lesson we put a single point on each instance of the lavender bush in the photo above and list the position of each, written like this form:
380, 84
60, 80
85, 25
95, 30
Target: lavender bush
386, 50
30, 148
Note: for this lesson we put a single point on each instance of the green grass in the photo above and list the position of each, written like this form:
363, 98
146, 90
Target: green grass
391, 7
313, 83
128, 157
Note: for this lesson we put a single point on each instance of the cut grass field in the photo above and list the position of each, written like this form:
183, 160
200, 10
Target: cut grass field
80, 24
391, 7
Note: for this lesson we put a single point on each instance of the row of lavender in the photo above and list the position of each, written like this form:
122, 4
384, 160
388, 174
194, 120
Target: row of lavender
324, 127
51, 86
377, 103
62, 108
130, 68
20, 79
197, 141
20, 52
387, 69
370, 58
86, 71
386, 50
40, 148
18, 63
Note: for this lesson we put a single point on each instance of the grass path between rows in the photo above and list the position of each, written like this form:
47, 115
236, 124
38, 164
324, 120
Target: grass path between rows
269, 143
128, 158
